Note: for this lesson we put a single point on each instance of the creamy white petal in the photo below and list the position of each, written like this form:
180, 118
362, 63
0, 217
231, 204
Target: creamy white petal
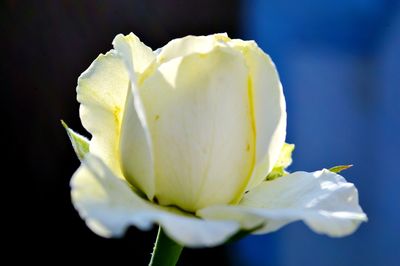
137, 55
181, 47
135, 150
102, 91
201, 125
269, 108
136, 145
109, 207
323, 200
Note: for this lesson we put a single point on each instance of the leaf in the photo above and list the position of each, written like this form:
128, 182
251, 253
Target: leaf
340, 168
79, 142
284, 160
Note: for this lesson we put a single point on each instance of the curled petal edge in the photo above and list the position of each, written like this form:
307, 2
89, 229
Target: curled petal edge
109, 206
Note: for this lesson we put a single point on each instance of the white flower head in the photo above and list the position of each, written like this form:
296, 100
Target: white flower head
186, 136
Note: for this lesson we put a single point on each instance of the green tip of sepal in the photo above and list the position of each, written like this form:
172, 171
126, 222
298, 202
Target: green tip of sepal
79, 142
284, 160
64, 124
340, 168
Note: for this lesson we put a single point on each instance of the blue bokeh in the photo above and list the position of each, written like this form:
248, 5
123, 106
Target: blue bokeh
339, 63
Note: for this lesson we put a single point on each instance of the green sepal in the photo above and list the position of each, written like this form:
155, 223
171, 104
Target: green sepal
284, 160
340, 168
79, 142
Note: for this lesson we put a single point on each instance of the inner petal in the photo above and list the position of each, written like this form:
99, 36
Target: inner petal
200, 120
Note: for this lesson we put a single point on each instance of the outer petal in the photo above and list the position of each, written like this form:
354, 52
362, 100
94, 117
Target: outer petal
102, 91
109, 206
136, 145
190, 45
202, 128
269, 108
323, 200
137, 56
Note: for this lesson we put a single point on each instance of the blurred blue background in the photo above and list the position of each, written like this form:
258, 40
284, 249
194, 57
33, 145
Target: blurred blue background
340, 67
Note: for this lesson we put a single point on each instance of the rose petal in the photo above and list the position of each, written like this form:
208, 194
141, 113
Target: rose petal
188, 45
136, 54
136, 145
109, 207
269, 108
102, 92
323, 200
201, 125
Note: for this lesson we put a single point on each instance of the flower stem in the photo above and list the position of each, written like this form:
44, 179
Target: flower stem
166, 251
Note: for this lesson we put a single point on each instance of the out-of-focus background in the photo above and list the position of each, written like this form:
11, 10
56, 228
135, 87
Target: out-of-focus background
340, 67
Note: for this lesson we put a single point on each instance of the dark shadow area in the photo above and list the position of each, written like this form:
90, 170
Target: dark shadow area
46, 45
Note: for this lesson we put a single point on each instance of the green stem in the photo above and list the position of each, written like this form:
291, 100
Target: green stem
166, 251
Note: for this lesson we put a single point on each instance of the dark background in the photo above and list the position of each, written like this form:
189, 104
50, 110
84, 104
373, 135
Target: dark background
339, 62
47, 45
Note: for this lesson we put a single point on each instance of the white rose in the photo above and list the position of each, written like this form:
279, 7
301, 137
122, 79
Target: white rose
180, 135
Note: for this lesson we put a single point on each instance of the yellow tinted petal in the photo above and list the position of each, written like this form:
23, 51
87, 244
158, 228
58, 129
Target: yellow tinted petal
189, 45
323, 200
136, 54
102, 91
201, 125
135, 144
109, 207
269, 108
136, 149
